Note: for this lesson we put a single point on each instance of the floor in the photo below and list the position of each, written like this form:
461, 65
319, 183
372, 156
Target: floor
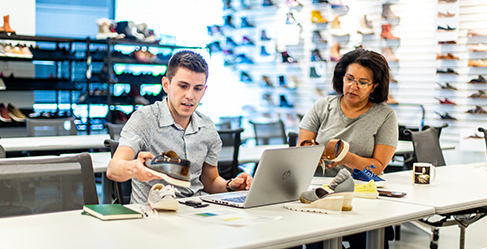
414, 238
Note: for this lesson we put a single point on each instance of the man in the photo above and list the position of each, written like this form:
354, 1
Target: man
174, 124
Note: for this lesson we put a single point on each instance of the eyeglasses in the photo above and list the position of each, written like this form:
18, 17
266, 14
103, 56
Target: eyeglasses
350, 80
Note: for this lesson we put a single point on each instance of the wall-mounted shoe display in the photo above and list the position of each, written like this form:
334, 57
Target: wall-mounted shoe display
477, 47
214, 46
267, 3
246, 41
477, 63
317, 38
266, 81
244, 23
4, 116
335, 52
227, 5
245, 77
445, 116
447, 28
447, 86
446, 101
387, 12
263, 51
244, 5
263, 36
336, 30
243, 59
447, 71
227, 22
104, 31
283, 102
447, 42
230, 43
290, 19
480, 94
15, 114
316, 56
445, 15
320, 1
294, 4
476, 32
6, 26
389, 55
313, 73
446, 1
477, 110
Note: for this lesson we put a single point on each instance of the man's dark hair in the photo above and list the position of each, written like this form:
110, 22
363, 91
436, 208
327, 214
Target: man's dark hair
189, 60
371, 60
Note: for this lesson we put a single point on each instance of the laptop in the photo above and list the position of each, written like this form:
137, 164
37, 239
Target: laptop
282, 175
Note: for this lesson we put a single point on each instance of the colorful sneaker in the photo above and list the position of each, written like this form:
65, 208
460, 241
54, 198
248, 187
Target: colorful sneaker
163, 198
310, 196
329, 205
365, 175
343, 182
367, 191
170, 168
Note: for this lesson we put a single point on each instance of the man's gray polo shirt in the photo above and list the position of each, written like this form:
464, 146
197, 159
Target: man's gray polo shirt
152, 128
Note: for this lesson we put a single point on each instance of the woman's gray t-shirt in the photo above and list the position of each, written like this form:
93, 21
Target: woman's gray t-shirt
376, 126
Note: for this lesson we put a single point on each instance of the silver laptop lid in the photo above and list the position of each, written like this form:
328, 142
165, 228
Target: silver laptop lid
283, 174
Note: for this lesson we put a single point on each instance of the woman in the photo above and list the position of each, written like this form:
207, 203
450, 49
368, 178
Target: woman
357, 115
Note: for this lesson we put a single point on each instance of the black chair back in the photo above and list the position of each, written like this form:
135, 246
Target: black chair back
427, 146
269, 133
122, 190
228, 162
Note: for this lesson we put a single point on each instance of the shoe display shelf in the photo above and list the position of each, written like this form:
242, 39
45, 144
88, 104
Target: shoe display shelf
59, 50
140, 56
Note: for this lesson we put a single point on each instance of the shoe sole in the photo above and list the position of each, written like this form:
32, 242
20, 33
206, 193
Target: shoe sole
331, 205
171, 180
166, 205
347, 200
379, 184
366, 195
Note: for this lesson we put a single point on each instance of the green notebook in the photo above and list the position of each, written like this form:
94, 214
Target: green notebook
111, 212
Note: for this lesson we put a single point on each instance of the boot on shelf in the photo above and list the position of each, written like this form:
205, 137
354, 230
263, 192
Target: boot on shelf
335, 28
227, 22
245, 77
316, 17
104, 30
317, 38
267, 3
244, 23
283, 102
267, 82
246, 41
316, 56
291, 20
263, 36
244, 5
335, 52
386, 32
387, 12
389, 55
364, 26
294, 4
263, 52
313, 73
6, 26
287, 58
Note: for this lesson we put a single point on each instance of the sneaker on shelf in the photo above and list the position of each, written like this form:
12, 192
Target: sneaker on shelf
309, 196
367, 191
4, 116
170, 168
163, 198
15, 113
329, 205
365, 175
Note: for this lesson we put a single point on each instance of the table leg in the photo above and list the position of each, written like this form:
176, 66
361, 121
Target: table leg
335, 243
375, 238
107, 188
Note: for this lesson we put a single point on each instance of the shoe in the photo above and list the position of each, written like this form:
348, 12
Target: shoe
291, 20
475, 136
448, 71
316, 56
104, 31
387, 12
267, 81
477, 63
335, 52
335, 28
343, 182
447, 86
364, 26
170, 168
4, 116
316, 17
214, 47
445, 15
263, 36
479, 94
227, 22
6, 26
477, 110
448, 28
244, 5
263, 51
391, 101
244, 23
387, 53
447, 42
448, 56
287, 58
386, 33
294, 4
479, 79
476, 32
328, 205
320, 1
227, 5
317, 38
247, 41
243, 59
163, 198
477, 48
310, 196
335, 150
245, 77
284, 103
313, 73
446, 101
367, 191
365, 175
267, 3
15, 113
445, 116
446, 1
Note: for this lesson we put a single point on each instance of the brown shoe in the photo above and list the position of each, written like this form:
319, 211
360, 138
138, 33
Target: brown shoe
15, 113
477, 63
445, 15
448, 56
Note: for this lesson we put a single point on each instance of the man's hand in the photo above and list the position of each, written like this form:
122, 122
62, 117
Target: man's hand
241, 182
139, 170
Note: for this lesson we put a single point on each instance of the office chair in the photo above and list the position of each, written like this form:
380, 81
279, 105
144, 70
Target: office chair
114, 130
269, 133
481, 129
427, 149
46, 184
235, 122
223, 126
228, 167
51, 127
122, 190
2, 152
292, 139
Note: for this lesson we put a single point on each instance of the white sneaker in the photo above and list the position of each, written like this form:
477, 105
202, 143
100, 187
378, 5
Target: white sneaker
163, 198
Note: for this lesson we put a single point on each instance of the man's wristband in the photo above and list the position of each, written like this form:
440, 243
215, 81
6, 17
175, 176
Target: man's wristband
228, 186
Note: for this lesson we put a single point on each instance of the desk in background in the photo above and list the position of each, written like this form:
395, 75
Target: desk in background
80, 142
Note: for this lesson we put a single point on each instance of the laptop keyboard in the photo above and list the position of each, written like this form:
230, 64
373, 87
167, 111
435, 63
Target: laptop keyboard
238, 199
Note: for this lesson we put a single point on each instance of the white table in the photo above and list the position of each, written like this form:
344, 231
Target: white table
54, 143
457, 187
171, 230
